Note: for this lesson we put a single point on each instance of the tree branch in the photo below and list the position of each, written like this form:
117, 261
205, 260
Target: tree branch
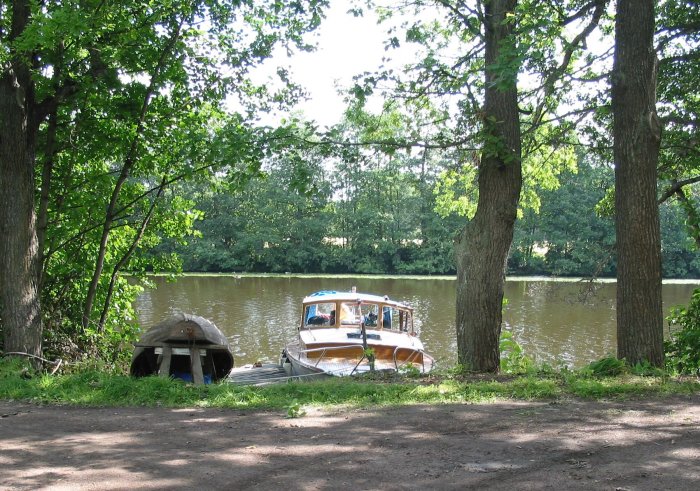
129, 162
571, 47
127, 256
676, 187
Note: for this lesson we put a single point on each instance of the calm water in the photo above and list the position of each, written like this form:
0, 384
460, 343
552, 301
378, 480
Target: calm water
553, 321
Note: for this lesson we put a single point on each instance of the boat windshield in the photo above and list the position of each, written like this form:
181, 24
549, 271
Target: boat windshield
319, 314
394, 318
351, 313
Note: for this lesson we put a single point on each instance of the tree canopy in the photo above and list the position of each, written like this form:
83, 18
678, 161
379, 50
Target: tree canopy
108, 104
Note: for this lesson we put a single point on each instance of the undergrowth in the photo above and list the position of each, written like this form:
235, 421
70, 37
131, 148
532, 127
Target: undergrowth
683, 346
95, 387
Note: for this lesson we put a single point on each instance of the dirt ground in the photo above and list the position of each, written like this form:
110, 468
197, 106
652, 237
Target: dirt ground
652, 444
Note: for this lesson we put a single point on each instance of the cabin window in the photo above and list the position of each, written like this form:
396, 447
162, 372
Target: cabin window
390, 318
405, 321
319, 314
350, 313
370, 314
398, 319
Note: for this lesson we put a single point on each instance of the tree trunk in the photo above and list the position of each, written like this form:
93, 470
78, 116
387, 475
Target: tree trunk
47, 167
637, 135
20, 310
482, 247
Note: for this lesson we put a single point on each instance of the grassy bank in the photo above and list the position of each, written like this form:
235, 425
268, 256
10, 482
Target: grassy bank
90, 387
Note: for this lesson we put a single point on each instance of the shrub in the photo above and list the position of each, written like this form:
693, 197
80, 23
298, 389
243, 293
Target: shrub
513, 360
683, 347
608, 367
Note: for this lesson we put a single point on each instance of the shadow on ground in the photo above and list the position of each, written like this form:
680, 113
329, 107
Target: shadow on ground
635, 445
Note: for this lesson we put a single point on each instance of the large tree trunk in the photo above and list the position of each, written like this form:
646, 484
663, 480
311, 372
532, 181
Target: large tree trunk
20, 311
636, 149
482, 248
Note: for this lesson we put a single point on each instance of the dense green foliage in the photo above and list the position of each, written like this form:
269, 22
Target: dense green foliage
380, 218
350, 211
393, 188
131, 100
678, 47
683, 346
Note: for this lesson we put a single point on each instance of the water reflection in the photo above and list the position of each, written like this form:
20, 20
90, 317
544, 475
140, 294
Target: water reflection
570, 323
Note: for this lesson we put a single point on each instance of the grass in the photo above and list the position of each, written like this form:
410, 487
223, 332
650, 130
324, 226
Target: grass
93, 387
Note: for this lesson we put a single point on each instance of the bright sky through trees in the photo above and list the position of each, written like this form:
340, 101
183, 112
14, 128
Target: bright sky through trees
346, 46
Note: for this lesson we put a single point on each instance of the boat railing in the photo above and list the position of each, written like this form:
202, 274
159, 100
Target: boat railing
411, 358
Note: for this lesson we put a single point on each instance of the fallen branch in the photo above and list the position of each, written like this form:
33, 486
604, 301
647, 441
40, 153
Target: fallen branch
15, 353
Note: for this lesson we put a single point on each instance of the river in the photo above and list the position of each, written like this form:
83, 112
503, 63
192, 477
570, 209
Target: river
558, 322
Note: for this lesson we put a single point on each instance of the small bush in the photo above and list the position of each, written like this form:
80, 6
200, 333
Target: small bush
513, 360
646, 369
410, 370
295, 410
608, 367
683, 347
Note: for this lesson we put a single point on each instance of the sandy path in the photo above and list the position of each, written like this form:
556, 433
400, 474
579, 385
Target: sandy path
635, 445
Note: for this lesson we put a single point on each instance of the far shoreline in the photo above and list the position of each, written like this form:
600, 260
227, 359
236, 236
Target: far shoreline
552, 279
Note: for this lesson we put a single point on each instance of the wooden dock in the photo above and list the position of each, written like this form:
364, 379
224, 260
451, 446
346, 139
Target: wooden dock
260, 375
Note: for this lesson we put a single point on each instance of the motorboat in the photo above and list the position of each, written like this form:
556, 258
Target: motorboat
346, 333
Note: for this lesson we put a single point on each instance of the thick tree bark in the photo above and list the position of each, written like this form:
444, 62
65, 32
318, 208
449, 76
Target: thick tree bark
637, 135
482, 247
20, 311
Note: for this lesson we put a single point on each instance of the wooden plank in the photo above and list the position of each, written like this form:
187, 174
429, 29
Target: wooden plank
164, 367
180, 345
181, 351
197, 375
267, 374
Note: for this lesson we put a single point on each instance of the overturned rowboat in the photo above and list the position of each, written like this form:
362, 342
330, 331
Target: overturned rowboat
184, 346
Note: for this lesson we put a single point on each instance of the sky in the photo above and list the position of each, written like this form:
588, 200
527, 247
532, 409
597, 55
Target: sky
347, 46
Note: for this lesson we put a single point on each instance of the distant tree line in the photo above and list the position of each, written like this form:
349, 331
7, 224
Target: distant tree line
380, 217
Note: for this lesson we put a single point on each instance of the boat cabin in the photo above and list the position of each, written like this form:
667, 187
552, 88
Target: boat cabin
332, 309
